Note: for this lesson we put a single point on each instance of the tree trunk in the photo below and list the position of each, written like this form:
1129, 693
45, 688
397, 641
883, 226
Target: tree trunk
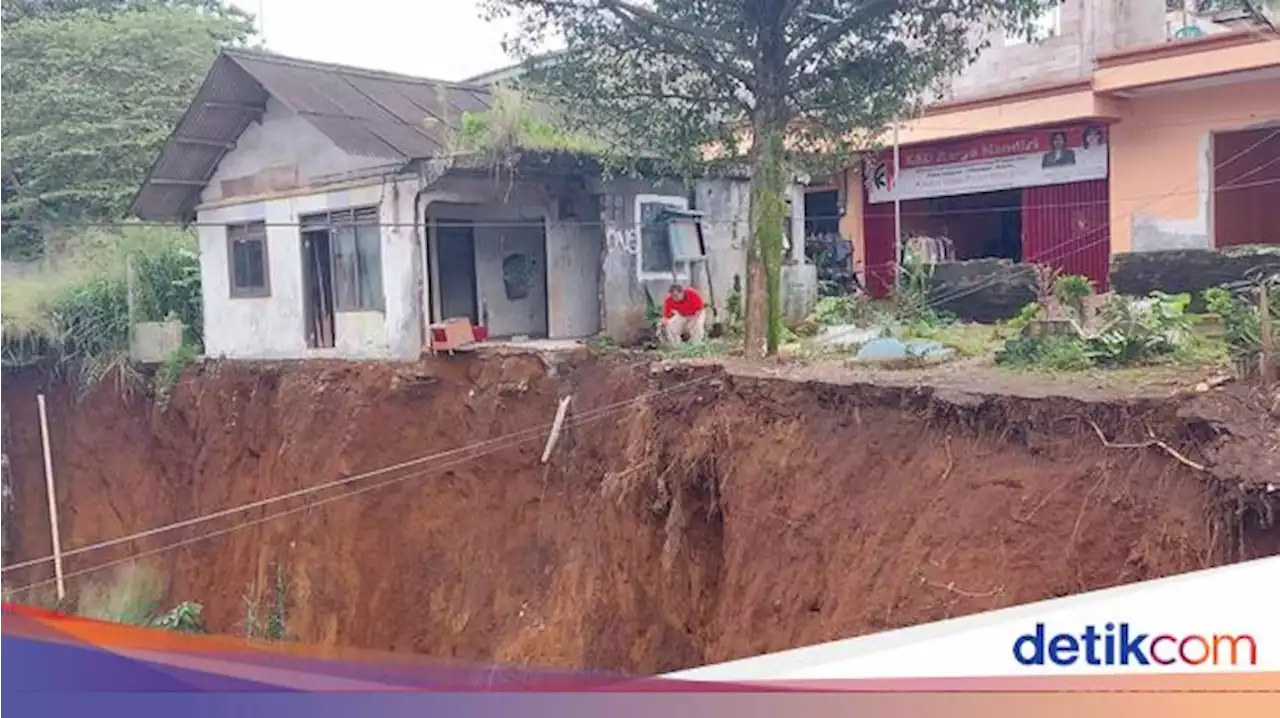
756, 303
768, 211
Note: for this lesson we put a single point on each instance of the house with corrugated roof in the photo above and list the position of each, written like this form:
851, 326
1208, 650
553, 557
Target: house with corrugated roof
337, 218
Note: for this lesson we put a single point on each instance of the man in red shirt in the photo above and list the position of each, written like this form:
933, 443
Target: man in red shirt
684, 314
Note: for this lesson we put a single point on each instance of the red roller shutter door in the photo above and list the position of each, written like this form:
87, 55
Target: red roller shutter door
1067, 226
879, 235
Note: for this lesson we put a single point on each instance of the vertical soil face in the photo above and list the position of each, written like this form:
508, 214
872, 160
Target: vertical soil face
718, 517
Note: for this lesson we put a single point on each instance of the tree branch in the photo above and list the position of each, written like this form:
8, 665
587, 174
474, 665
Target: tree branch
833, 32
789, 9
656, 19
702, 58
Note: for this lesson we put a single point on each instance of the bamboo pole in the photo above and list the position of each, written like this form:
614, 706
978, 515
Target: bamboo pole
555, 428
53, 498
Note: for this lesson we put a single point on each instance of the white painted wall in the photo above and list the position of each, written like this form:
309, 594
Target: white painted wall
272, 327
572, 256
283, 149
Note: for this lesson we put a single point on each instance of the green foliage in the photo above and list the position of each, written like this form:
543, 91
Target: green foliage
1071, 290
690, 350
804, 86
75, 315
515, 122
184, 618
1134, 332
1142, 331
734, 307
132, 596
1029, 313
1242, 324
1054, 353
91, 90
652, 312
832, 311
171, 371
274, 627
913, 308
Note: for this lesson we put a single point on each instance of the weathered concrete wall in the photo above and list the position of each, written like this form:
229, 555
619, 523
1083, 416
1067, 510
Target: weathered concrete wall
567, 306
1087, 28
272, 327
1190, 270
280, 153
725, 204
154, 342
982, 290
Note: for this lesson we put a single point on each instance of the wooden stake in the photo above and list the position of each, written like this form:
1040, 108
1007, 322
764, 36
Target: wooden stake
53, 499
555, 428
1268, 339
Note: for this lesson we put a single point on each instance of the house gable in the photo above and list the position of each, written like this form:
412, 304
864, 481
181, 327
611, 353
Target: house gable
282, 152
250, 100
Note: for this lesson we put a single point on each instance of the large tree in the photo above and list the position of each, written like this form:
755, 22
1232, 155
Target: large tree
91, 90
784, 81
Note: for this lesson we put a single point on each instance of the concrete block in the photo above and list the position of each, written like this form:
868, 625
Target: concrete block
153, 342
799, 291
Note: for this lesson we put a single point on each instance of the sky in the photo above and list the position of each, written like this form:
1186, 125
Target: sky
440, 39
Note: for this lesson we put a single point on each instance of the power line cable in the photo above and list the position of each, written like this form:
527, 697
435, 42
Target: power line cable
532, 432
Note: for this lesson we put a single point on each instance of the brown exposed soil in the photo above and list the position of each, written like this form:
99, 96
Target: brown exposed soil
732, 515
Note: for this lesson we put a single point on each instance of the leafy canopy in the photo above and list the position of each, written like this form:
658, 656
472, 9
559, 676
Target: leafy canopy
679, 76
92, 89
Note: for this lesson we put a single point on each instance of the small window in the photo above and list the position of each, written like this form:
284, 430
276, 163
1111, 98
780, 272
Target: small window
247, 260
655, 243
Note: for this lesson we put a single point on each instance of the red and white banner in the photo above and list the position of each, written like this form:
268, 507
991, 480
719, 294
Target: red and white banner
987, 164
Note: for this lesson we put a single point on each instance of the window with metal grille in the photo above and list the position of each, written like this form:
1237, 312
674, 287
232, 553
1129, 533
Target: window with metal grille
355, 246
247, 266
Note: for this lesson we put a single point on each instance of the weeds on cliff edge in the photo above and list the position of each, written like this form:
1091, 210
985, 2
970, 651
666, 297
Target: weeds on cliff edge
274, 626
1131, 332
133, 595
72, 312
171, 371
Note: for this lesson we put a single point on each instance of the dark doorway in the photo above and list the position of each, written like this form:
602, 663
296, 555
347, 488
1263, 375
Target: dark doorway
988, 224
456, 269
317, 287
821, 212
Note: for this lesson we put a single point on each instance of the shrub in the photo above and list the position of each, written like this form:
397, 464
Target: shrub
75, 316
1058, 353
131, 596
1071, 290
831, 311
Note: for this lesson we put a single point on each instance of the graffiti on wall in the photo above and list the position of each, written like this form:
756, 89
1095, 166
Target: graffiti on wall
620, 238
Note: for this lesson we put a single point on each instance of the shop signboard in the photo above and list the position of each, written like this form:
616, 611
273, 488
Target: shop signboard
1031, 158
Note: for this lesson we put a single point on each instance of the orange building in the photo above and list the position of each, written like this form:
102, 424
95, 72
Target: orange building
1170, 144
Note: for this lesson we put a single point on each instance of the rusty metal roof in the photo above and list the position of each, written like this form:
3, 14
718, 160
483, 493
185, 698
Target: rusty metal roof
365, 112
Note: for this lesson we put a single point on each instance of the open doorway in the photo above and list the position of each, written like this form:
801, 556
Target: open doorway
976, 226
456, 269
317, 287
